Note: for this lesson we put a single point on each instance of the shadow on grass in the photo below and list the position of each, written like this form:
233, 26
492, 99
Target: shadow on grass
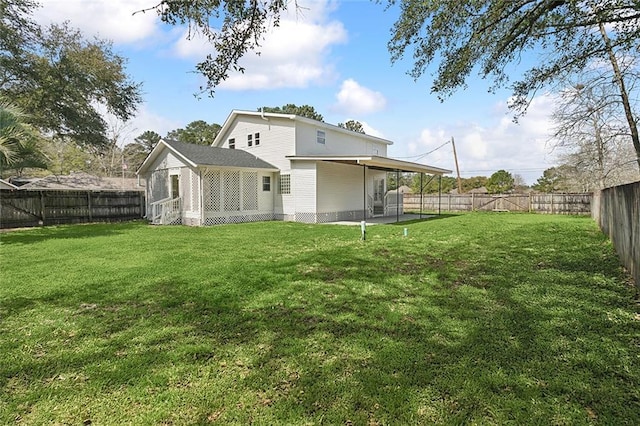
89, 230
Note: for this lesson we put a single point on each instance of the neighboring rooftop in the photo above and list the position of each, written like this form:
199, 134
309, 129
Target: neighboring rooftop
85, 181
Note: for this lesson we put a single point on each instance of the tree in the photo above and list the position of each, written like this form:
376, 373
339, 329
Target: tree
353, 125
500, 182
12, 131
550, 181
303, 111
491, 35
62, 81
198, 132
135, 153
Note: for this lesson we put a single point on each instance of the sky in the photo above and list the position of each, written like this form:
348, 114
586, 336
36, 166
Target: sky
333, 56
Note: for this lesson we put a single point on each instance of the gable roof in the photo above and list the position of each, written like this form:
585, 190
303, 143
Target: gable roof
219, 140
204, 155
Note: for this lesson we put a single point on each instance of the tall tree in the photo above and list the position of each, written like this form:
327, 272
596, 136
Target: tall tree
500, 182
353, 125
61, 80
551, 180
489, 36
198, 132
135, 153
302, 110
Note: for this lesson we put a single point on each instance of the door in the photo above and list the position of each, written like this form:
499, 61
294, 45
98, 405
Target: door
378, 197
175, 186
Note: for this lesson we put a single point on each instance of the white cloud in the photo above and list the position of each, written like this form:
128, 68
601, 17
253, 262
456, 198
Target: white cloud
369, 130
113, 20
356, 99
499, 144
294, 54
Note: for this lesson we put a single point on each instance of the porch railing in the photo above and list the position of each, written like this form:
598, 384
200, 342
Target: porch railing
167, 211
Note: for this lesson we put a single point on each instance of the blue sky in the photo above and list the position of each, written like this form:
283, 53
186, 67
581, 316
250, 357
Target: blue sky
331, 55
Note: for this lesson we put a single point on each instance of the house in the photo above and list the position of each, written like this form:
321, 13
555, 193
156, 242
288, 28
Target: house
268, 166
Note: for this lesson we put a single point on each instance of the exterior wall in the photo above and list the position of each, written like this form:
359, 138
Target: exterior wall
302, 201
337, 142
341, 192
277, 137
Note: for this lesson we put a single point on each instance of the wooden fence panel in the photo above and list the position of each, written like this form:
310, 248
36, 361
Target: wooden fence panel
537, 203
24, 208
618, 215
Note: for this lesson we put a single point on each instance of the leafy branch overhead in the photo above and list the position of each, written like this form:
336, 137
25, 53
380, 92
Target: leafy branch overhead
233, 27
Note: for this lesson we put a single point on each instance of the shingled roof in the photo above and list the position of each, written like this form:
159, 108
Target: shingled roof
204, 155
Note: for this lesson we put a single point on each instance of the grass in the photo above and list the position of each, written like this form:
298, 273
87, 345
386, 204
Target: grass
476, 318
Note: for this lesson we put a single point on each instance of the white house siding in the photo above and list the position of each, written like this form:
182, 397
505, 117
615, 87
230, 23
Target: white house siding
336, 142
276, 139
303, 192
235, 195
341, 191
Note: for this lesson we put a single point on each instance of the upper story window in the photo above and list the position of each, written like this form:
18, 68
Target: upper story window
256, 139
320, 137
249, 140
232, 143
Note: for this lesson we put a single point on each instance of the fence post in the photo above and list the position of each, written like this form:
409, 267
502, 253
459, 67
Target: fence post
529, 202
89, 204
42, 207
552, 203
473, 201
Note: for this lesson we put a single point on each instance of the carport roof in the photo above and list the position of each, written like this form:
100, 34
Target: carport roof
376, 162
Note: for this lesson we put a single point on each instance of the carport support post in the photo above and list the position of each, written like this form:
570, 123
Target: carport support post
397, 195
439, 192
364, 194
421, 174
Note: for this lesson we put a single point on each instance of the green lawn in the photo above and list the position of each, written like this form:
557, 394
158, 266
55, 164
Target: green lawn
476, 318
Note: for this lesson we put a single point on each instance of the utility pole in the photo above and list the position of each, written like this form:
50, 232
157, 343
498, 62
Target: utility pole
455, 157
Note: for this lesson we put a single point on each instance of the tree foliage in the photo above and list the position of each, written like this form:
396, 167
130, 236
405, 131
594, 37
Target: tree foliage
62, 81
135, 153
551, 181
302, 110
500, 182
233, 27
198, 132
353, 125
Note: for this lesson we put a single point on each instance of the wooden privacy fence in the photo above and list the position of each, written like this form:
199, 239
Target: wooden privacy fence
24, 208
538, 203
617, 211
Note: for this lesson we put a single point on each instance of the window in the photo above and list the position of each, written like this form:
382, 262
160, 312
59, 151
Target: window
232, 143
256, 139
320, 136
266, 183
249, 140
285, 184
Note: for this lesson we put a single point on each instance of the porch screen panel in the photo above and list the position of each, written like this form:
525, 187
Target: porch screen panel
195, 190
250, 191
185, 188
212, 190
159, 185
231, 194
